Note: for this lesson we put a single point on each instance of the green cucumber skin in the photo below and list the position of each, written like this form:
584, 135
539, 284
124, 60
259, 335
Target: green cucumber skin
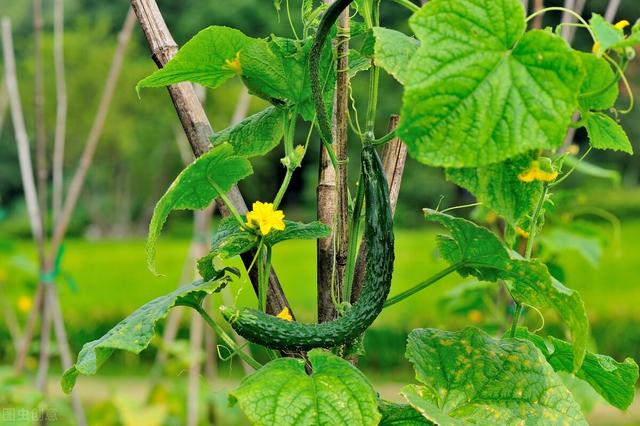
280, 334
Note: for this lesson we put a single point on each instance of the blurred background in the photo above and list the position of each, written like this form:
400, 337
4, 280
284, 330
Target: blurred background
591, 241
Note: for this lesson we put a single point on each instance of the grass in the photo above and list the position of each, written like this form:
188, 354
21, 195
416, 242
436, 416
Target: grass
113, 280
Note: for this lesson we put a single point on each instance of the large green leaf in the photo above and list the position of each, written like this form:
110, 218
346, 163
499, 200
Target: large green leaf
393, 50
205, 59
134, 333
255, 135
400, 415
479, 90
498, 188
471, 378
277, 70
605, 133
614, 381
196, 187
482, 255
282, 393
600, 87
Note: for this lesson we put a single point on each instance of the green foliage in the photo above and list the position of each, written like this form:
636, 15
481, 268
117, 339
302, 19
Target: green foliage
400, 415
479, 253
468, 377
282, 393
255, 135
206, 59
507, 92
605, 133
196, 187
599, 89
393, 51
134, 333
615, 381
498, 188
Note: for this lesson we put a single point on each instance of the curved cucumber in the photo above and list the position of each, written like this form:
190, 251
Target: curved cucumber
277, 333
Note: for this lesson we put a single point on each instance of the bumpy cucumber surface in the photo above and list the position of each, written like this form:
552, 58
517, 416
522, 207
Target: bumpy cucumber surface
277, 333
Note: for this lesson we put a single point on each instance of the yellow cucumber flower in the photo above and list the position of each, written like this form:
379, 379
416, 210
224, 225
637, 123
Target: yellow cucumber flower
596, 47
265, 218
24, 304
622, 24
234, 64
534, 172
285, 315
521, 232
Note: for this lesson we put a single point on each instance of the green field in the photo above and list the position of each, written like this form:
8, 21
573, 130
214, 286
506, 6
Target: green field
112, 279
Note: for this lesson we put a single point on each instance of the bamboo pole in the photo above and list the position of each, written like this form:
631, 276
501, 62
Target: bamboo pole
197, 126
332, 190
61, 109
38, 101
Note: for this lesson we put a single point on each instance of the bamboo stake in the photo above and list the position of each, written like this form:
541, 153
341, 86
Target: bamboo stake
393, 160
38, 101
612, 9
332, 190
61, 109
196, 125
4, 103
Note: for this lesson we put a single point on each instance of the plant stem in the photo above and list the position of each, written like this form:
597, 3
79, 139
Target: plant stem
534, 222
408, 5
283, 188
424, 284
516, 319
354, 231
384, 139
226, 338
373, 101
565, 10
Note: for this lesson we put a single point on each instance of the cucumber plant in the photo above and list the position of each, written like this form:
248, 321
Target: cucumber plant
486, 99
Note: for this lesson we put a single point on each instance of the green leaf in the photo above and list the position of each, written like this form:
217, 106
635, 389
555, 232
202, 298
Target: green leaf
605, 133
600, 87
400, 415
479, 90
471, 378
231, 240
282, 393
560, 240
606, 34
204, 59
357, 63
614, 381
255, 135
393, 50
498, 188
195, 187
482, 255
277, 71
134, 333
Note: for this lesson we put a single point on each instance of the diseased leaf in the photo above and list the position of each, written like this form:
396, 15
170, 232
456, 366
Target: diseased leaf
482, 255
479, 90
600, 87
614, 381
400, 415
255, 135
393, 51
206, 59
282, 393
471, 378
498, 188
134, 333
605, 133
195, 188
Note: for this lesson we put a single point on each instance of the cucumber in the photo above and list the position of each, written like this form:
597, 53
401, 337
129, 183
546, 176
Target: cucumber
276, 333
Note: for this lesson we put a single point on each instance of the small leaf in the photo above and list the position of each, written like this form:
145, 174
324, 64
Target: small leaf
298, 231
472, 378
195, 188
600, 87
605, 133
282, 392
607, 36
255, 135
357, 63
393, 51
498, 188
204, 59
479, 90
614, 381
482, 255
400, 415
134, 333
